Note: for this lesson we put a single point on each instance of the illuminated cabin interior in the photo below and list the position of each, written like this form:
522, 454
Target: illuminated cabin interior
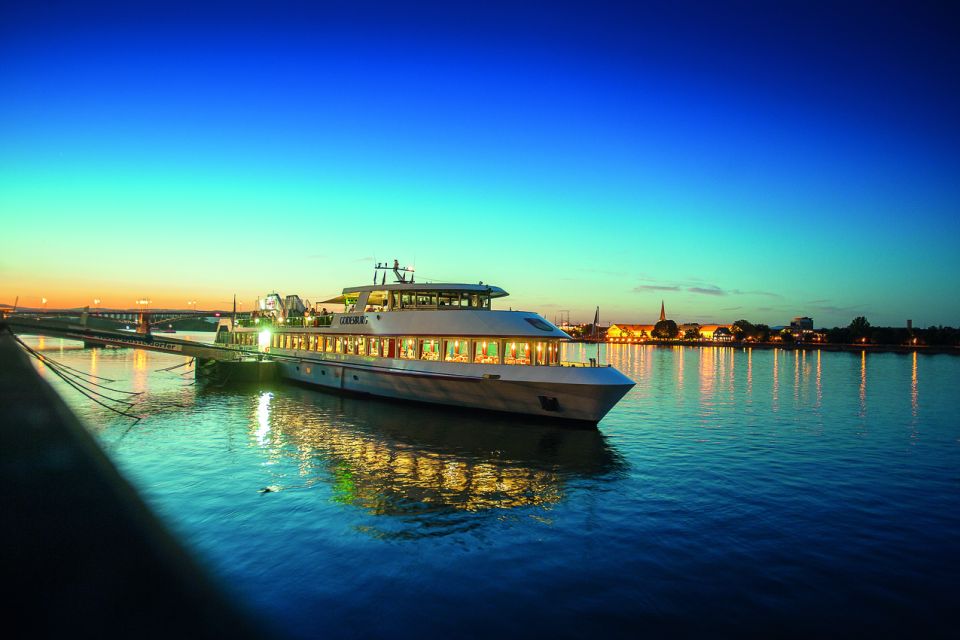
409, 297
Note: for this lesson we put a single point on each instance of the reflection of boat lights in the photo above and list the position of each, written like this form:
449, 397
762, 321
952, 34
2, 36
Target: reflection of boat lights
263, 418
263, 339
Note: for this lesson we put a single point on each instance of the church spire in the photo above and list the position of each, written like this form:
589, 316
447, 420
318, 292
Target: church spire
663, 313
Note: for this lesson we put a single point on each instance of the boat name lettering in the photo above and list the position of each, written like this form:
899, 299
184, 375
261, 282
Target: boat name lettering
353, 319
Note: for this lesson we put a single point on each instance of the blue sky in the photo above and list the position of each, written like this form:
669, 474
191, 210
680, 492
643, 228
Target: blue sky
756, 160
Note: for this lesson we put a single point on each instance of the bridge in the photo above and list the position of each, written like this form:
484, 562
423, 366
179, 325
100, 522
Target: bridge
144, 318
236, 362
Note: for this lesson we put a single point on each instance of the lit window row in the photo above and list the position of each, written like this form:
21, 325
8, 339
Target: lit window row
513, 351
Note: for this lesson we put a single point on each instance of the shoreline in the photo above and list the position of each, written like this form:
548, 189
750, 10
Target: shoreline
803, 346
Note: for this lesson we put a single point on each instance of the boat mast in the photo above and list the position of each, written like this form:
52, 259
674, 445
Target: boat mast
400, 273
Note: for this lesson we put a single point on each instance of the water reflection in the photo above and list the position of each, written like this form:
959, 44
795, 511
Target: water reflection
775, 402
263, 418
863, 383
914, 395
404, 460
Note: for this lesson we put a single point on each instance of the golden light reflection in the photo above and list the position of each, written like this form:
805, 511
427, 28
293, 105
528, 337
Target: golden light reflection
796, 376
733, 358
679, 352
263, 418
707, 375
749, 372
863, 383
94, 360
402, 460
914, 392
775, 403
819, 381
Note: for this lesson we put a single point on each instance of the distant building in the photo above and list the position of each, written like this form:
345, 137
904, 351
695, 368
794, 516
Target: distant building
801, 324
687, 327
710, 332
629, 332
641, 332
722, 334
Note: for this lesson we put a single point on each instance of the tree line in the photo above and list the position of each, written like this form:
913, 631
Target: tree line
858, 331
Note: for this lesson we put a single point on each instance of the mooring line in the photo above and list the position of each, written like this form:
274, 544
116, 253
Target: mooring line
42, 357
50, 362
177, 366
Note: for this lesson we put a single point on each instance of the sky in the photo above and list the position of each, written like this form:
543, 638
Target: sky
757, 160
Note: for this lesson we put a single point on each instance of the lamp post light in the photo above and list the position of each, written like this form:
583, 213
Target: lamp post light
192, 304
43, 301
96, 303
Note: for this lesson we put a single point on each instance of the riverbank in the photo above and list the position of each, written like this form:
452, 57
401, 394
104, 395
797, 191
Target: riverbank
90, 558
802, 346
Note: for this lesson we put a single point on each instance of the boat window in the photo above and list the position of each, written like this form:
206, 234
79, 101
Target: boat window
539, 324
339, 344
486, 351
361, 346
328, 343
389, 348
408, 349
516, 353
545, 353
374, 346
351, 344
450, 300
456, 350
427, 298
430, 349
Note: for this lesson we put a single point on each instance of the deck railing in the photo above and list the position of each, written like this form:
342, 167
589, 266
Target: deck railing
304, 321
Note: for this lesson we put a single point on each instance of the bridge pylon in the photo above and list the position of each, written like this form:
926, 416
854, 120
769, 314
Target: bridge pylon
143, 323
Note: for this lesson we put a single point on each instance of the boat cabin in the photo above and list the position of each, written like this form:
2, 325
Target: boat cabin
417, 296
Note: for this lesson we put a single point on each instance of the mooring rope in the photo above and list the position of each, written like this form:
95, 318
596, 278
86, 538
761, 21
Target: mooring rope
177, 366
75, 373
76, 385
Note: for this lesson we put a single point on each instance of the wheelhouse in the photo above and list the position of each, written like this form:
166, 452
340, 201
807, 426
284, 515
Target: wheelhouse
417, 297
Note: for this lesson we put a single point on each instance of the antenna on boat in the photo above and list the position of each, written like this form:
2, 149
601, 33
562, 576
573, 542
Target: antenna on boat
399, 272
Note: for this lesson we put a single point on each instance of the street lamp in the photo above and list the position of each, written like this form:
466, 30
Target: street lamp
192, 304
96, 303
43, 301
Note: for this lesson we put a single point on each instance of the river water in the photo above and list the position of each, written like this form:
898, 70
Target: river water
731, 492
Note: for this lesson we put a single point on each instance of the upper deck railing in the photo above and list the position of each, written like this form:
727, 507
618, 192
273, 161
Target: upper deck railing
301, 321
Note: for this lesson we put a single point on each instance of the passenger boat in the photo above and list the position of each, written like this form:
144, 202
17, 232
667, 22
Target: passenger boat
434, 343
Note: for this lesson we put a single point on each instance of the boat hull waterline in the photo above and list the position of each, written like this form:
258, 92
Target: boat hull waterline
579, 394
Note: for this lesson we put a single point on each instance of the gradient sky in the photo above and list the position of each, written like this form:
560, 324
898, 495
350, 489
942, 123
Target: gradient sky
755, 160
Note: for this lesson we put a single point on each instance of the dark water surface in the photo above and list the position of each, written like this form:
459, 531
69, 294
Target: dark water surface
732, 492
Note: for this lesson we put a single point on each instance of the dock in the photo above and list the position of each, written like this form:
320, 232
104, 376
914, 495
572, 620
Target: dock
83, 555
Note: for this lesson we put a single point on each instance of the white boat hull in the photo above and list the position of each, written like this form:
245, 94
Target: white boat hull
583, 394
